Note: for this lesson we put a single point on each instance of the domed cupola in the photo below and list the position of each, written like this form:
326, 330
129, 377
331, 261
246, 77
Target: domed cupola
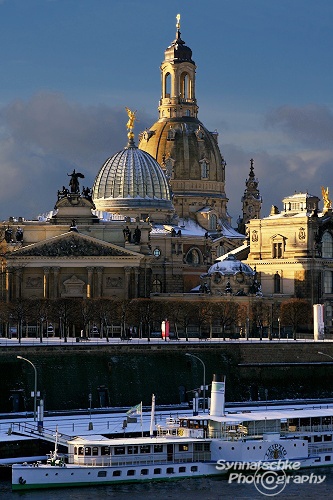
178, 51
188, 153
132, 183
229, 276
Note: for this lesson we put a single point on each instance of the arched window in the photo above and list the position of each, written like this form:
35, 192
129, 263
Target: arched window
167, 85
327, 245
193, 257
157, 286
212, 222
185, 86
328, 282
277, 283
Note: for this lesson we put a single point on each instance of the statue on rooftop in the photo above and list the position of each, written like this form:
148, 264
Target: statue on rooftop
326, 200
74, 182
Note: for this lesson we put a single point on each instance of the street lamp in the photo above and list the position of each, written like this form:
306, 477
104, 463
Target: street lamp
324, 354
279, 321
35, 391
204, 378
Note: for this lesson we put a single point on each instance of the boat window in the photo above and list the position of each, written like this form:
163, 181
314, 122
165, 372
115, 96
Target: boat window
105, 450
170, 470
87, 450
117, 473
182, 469
132, 450
194, 468
80, 450
95, 451
131, 472
144, 472
158, 448
327, 458
206, 446
183, 447
145, 448
157, 471
119, 450
101, 473
317, 439
328, 437
197, 446
183, 423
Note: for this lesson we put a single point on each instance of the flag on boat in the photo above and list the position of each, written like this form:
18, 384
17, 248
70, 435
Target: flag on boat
136, 409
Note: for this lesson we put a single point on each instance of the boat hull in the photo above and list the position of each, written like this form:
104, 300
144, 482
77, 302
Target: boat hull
25, 477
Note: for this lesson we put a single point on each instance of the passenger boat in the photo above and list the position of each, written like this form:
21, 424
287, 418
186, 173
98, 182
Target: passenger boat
192, 446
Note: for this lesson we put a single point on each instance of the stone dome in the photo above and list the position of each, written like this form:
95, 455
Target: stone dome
131, 182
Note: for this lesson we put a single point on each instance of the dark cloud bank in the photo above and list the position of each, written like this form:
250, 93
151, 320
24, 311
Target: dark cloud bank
43, 139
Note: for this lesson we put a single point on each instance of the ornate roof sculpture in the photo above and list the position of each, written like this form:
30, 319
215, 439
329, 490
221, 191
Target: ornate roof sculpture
132, 183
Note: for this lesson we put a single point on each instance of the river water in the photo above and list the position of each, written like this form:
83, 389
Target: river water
304, 483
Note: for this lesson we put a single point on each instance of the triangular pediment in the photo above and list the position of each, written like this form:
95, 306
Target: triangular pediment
72, 244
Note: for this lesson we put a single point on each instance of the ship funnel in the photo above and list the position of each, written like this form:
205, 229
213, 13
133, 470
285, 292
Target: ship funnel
217, 396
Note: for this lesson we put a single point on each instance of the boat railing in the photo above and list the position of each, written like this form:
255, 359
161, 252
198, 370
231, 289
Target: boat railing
307, 428
109, 461
320, 448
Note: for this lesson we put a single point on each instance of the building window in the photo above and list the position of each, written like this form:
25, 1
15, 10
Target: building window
277, 283
157, 252
167, 84
328, 282
156, 286
277, 250
193, 257
327, 245
213, 222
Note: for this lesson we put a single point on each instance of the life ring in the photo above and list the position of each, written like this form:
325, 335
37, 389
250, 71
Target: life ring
180, 432
21, 480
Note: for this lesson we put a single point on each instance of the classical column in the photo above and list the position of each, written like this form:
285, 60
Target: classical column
127, 271
90, 290
46, 279
136, 287
99, 281
56, 271
18, 280
8, 285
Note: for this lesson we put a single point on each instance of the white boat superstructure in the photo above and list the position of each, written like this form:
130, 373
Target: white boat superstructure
192, 446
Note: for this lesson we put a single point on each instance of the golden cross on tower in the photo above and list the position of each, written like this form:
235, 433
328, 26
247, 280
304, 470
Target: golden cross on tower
178, 21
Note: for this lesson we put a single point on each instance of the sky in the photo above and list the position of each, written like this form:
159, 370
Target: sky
68, 68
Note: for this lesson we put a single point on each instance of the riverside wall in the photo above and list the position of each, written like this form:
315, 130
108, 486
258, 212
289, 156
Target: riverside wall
130, 373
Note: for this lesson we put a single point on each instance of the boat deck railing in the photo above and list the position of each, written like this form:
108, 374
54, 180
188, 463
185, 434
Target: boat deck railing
292, 429
27, 429
320, 448
150, 459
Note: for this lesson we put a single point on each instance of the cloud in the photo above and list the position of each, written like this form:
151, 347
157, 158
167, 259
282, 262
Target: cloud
42, 139
310, 125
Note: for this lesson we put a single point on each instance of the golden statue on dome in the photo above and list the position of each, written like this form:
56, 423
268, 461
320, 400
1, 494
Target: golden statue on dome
326, 200
178, 21
130, 123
